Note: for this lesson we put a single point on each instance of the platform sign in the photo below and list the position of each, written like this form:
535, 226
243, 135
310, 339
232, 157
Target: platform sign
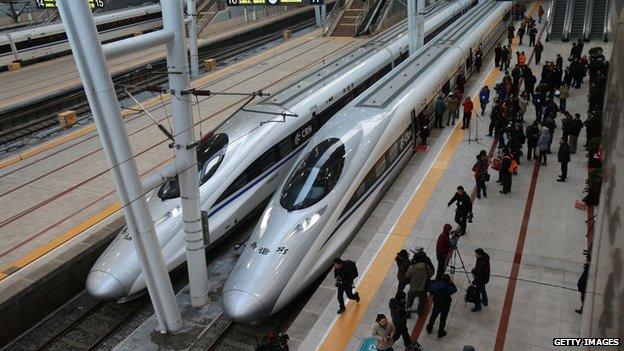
368, 345
273, 2
51, 4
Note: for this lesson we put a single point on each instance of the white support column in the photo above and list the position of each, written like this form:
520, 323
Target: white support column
191, 12
186, 156
98, 85
317, 14
411, 25
420, 23
323, 14
254, 16
246, 16
415, 24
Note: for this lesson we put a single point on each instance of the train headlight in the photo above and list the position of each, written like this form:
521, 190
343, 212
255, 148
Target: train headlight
174, 212
306, 223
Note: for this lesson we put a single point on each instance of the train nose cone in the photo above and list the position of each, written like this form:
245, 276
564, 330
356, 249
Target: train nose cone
243, 307
104, 286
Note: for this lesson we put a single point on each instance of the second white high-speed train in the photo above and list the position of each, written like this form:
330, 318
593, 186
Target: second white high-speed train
345, 169
42, 41
246, 158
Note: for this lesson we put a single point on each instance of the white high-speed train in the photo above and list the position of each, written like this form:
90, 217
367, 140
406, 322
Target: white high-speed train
244, 160
345, 169
37, 42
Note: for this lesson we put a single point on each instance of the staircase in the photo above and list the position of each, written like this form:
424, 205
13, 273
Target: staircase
558, 18
206, 12
578, 19
350, 19
598, 19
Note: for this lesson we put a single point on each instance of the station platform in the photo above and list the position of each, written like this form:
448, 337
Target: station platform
62, 197
39, 81
535, 238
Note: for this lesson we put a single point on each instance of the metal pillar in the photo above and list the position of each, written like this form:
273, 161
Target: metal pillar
317, 15
100, 92
191, 12
415, 24
323, 14
186, 156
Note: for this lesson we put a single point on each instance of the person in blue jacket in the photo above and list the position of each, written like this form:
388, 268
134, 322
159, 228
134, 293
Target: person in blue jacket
484, 98
441, 292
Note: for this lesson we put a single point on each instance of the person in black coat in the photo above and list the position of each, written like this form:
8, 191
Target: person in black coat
532, 135
344, 282
463, 210
582, 286
481, 273
441, 292
403, 262
563, 155
498, 50
399, 316
504, 173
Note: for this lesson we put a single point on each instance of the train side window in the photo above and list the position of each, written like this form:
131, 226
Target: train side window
393, 153
380, 167
285, 147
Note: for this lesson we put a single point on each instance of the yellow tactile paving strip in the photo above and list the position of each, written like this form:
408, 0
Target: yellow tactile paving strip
344, 327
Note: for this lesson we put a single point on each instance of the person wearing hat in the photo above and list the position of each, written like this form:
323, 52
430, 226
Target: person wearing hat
481, 273
399, 315
418, 273
443, 249
383, 330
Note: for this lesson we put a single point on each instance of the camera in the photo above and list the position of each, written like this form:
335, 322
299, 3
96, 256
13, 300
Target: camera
454, 239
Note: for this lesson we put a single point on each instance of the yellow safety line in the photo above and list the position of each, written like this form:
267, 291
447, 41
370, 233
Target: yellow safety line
339, 336
149, 103
60, 240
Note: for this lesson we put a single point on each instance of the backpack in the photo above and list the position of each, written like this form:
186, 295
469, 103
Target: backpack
475, 169
351, 268
472, 296
513, 167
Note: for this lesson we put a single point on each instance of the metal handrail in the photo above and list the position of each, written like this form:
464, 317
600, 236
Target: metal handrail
360, 18
339, 5
549, 17
605, 25
589, 10
567, 24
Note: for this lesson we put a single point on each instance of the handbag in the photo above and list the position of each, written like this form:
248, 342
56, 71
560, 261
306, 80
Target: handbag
496, 164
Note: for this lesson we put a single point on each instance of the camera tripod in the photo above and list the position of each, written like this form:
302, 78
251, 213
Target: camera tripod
476, 139
453, 264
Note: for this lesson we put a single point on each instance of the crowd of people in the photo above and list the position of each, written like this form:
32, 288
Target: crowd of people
512, 129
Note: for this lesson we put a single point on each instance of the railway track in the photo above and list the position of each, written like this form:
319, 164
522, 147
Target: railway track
43, 116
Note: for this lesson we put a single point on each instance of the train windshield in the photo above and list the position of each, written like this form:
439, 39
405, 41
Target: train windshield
210, 153
315, 176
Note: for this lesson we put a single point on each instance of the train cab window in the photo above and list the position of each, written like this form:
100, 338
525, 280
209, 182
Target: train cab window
210, 153
315, 176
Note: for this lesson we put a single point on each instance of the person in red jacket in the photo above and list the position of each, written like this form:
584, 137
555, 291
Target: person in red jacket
443, 249
467, 113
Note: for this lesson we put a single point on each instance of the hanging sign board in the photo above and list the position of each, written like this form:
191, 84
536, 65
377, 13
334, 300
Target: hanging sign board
273, 2
51, 4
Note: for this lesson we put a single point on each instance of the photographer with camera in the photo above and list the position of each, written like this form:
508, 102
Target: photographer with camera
441, 292
443, 249
463, 212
